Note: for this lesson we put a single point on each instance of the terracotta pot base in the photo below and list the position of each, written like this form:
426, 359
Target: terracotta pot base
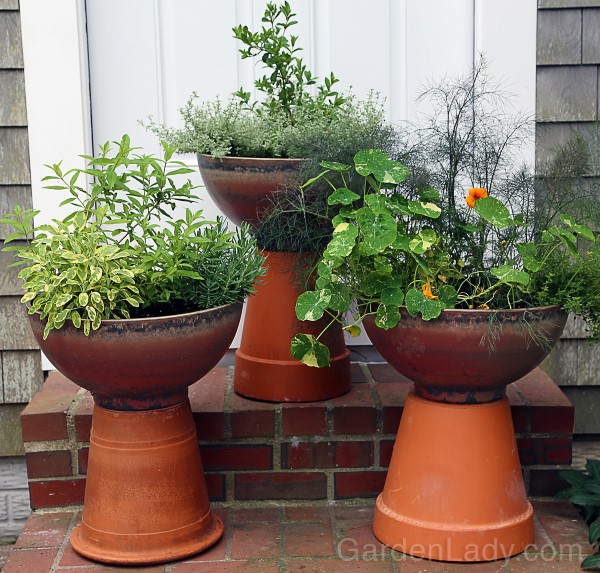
264, 366
290, 380
199, 537
454, 490
145, 499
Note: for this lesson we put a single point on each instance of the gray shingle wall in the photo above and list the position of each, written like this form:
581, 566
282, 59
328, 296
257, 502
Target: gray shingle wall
20, 365
567, 99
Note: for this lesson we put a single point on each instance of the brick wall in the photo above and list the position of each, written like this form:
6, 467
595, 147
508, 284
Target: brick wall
338, 449
567, 99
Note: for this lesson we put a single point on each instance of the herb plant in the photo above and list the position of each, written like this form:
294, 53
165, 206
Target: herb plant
121, 253
386, 252
290, 100
584, 492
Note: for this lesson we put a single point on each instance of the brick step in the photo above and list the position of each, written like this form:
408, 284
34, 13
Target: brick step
334, 450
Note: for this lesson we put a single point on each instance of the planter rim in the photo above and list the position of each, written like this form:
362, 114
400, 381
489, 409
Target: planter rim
155, 319
250, 159
485, 311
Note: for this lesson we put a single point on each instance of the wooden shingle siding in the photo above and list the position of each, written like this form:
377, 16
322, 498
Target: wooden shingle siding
21, 375
12, 93
11, 50
14, 156
568, 99
10, 196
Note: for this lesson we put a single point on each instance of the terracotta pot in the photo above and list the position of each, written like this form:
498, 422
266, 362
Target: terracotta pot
264, 366
143, 363
145, 499
454, 489
468, 355
241, 186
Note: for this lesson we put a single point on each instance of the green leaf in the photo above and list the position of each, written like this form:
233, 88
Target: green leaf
83, 299
342, 196
582, 230
388, 316
28, 296
375, 282
392, 296
417, 302
376, 163
334, 166
594, 531
63, 299
508, 274
76, 319
493, 211
448, 296
311, 305
593, 468
379, 231
421, 242
343, 241
528, 252
574, 477
591, 561
430, 210
310, 351
429, 194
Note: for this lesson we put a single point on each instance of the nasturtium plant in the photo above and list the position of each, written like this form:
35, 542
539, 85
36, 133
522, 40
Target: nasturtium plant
392, 248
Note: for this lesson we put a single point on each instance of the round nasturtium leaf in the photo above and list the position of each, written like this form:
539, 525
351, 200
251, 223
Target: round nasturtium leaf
377, 163
307, 349
494, 211
311, 305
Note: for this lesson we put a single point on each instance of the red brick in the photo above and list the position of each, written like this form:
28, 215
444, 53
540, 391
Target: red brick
359, 484
357, 376
410, 564
545, 482
339, 566
551, 410
251, 419
257, 514
207, 397
355, 412
304, 419
392, 396
216, 486
48, 464
320, 514
238, 457
83, 417
83, 456
357, 539
250, 541
56, 493
281, 485
354, 454
527, 451
519, 409
309, 539
386, 448
385, 373
45, 417
308, 455
36, 561
252, 566
44, 530
217, 552
558, 450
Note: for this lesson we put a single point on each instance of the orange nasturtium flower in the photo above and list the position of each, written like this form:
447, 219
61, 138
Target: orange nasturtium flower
427, 291
474, 194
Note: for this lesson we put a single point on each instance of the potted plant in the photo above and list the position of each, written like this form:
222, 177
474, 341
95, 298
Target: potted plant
252, 156
462, 299
135, 304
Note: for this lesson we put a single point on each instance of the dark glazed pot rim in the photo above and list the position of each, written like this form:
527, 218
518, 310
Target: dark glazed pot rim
244, 159
152, 319
486, 311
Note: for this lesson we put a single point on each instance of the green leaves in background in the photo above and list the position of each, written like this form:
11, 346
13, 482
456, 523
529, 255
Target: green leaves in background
376, 163
494, 211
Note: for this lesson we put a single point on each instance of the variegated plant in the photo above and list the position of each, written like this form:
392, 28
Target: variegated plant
388, 251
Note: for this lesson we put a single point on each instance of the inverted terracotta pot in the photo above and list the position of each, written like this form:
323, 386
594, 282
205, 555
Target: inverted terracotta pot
145, 499
454, 489
241, 186
264, 366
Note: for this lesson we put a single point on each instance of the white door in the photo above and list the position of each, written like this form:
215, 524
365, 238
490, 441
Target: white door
145, 57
